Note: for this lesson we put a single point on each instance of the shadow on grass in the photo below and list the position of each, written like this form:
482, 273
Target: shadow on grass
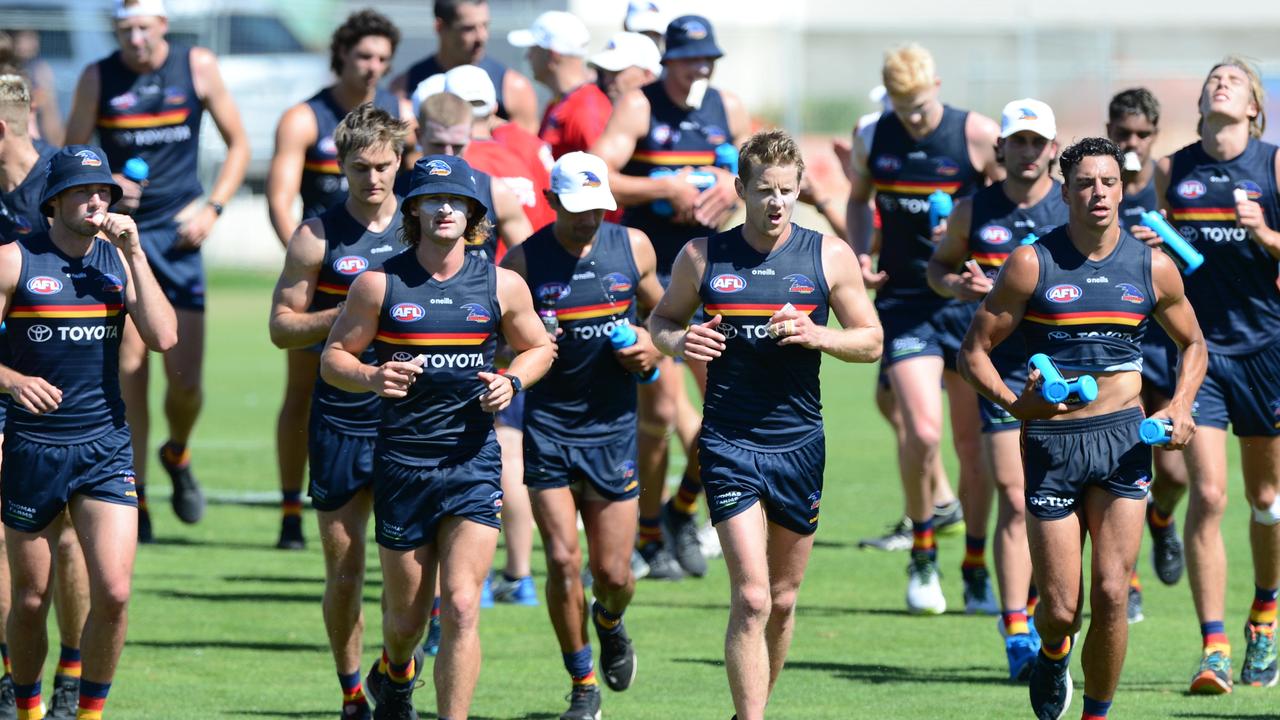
228, 645
282, 713
247, 597
294, 579
196, 543
803, 609
887, 674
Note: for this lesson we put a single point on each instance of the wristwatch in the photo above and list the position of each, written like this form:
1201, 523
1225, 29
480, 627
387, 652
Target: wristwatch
517, 387
217, 208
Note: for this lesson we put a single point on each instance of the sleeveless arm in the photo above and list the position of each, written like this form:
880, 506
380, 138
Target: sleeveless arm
521, 102
859, 337
523, 329
950, 254
628, 123
648, 290
296, 132
352, 332
291, 326
1174, 313
995, 319
33, 393
981, 133
207, 80
513, 225
84, 107
668, 324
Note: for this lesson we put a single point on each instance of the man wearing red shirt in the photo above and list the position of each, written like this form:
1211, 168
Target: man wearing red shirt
579, 110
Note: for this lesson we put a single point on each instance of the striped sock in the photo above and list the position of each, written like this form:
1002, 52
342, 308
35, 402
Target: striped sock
1015, 622
28, 701
1157, 518
93, 697
922, 538
435, 607
581, 666
68, 663
175, 455
4, 655
974, 552
650, 531
606, 622
1263, 611
398, 673
686, 498
1059, 652
1215, 637
291, 503
352, 691
1134, 582
1033, 599
1095, 709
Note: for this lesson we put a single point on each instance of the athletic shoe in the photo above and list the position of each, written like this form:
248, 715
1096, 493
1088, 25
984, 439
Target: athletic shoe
898, 538
188, 500
978, 597
1214, 675
682, 528
584, 703
291, 533
66, 698
378, 688
486, 592
948, 518
709, 541
924, 592
145, 537
515, 592
617, 657
356, 711
8, 700
1133, 611
1021, 651
1259, 655
639, 568
662, 564
396, 703
1166, 553
1049, 685
431, 646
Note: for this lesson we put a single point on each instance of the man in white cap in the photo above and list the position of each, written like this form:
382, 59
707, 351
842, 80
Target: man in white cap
579, 109
985, 228
592, 279
629, 61
116, 97
647, 18
462, 27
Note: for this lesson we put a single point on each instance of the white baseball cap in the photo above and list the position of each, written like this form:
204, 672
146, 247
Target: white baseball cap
645, 16
139, 8
581, 182
468, 82
628, 49
1028, 114
557, 31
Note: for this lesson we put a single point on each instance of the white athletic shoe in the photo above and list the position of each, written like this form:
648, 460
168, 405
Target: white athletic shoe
709, 541
924, 592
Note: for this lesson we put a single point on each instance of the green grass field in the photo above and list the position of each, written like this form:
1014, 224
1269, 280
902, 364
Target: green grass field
223, 625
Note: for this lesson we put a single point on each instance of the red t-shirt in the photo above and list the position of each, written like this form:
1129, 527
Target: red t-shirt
577, 121
528, 147
499, 161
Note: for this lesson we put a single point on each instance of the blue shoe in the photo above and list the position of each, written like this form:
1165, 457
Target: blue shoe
1021, 649
431, 645
516, 592
486, 592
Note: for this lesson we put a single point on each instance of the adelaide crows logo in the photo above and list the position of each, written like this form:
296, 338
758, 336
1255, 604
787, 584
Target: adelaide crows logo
799, 284
617, 282
476, 313
1130, 293
439, 168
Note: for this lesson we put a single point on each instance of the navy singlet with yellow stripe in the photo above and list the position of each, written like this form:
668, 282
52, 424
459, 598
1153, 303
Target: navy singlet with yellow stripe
1089, 315
677, 138
587, 397
155, 116
761, 395
1234, 292
454, 324
350, 250
64, 325
323, 184
905, 171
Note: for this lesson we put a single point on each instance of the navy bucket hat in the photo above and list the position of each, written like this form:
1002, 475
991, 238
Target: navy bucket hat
691, 36
444, 175
76, 165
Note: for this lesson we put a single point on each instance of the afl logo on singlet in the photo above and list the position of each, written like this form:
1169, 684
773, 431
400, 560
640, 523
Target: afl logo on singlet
407, 312
350, 265
995, 235
1191, 189
888, 163
44, 285
728, 283
327, 146
552, 292
1063, 293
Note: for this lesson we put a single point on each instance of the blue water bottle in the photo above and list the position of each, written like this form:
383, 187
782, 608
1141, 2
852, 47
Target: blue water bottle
939, 208
1155, 431
1057, 389
1030, 239
1187, 258
698, 178
623, 337
727, 157
136, 169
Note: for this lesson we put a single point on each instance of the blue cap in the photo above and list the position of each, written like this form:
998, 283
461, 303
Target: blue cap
76, 165
444, 175
691, 36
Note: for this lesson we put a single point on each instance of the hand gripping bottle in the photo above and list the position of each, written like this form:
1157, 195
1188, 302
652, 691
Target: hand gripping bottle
1057, 389
623, 337
939, 208
1186, 257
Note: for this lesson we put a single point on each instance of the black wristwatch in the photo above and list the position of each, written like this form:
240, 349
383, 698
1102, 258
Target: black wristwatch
217, 208
517, 387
